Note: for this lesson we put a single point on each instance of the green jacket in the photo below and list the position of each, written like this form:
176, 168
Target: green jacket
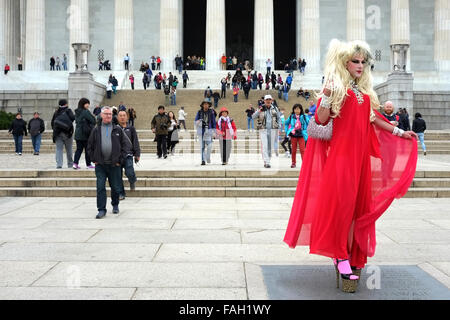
161, 123
82, 116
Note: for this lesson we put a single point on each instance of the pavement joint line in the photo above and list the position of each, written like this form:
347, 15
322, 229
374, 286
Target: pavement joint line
384, 234
45, 273
97, 232
435, 272
134, 293
245, 277
173, 224
156, 253
434, 224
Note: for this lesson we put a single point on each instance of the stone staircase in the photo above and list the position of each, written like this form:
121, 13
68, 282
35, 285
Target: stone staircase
189, 183
146, 104
437, 142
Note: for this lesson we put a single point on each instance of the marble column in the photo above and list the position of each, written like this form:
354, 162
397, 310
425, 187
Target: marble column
215, 33
2, 34
400, 33
263, 42
169, 34
310, 35
442, 35
356, 20
11, 32
35, 59
124, 34
78, 28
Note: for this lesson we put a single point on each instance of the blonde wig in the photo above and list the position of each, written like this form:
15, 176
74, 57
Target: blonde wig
338, 79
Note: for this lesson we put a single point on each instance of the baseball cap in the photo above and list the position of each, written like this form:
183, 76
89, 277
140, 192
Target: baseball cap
268, 96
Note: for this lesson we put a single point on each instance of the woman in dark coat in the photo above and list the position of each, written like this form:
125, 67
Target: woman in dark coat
85, 122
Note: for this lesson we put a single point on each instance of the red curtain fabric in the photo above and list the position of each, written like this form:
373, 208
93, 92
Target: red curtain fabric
347, 183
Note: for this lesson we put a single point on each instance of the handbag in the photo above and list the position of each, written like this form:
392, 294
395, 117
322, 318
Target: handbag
319, 131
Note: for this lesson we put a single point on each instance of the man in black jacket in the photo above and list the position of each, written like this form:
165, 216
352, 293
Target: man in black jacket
35, 127
18, 128
132, 150
107, 149
62, 125
419, 126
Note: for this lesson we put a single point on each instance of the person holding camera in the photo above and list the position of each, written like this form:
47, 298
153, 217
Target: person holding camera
268, 122
205, 122
62, 125
160, 126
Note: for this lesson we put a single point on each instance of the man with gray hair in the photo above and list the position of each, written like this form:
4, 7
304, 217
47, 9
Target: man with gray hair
107, 149
268, 121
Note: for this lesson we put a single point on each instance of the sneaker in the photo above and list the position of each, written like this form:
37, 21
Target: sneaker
37, 153
75, 166
91, 166
165, 157
424, 153
292, 165
287, 154
58, 167
133, 186
101, 214
121, 197
116, 209
20, 153
203, 163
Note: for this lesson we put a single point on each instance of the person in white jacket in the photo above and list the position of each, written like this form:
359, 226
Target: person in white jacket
182, 117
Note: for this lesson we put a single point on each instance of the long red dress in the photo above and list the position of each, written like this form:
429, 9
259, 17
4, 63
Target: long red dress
346, 184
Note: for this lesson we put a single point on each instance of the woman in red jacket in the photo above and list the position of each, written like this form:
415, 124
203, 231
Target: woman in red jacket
226, 130
343, 187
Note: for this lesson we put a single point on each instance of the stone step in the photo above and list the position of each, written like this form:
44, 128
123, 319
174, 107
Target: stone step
192, 173
191, 192
190, 182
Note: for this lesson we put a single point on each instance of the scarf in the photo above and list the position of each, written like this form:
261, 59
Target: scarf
226, 120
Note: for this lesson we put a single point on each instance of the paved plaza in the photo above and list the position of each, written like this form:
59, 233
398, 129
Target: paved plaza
204, 248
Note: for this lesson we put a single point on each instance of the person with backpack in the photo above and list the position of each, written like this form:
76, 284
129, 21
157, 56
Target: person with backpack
62, 125
145, 80
185, 79
85, 122
36, 127
295, 127
419, 126
208, 94
166, 95
18, 129
226, 131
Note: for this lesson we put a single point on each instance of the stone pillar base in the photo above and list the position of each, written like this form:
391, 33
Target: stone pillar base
82, 85
399, 89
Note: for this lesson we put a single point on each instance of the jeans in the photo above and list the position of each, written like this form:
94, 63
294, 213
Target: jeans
286, 96
250, 119
161, 145
18, 143
112, 172
36, 141
180, 68
268, 139
421, 139
82, 144
129, 172
63, 141
206, 144
173, 100
235, 97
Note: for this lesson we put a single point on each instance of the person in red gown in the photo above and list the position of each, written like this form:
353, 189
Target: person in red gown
343, 188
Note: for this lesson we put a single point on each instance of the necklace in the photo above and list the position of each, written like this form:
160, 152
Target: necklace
359, 95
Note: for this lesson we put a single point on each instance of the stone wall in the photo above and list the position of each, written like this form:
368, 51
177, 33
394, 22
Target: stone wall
44, 102
421, 18
146, 31
434, 107
57, 34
